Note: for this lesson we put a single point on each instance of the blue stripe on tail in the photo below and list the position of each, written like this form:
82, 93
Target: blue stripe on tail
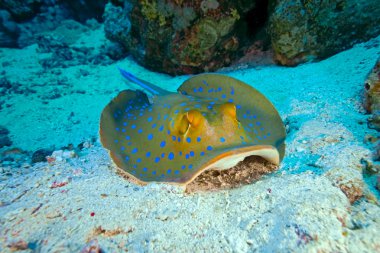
143, 84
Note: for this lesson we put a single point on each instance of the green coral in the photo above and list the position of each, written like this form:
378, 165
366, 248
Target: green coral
208, 34
149, 9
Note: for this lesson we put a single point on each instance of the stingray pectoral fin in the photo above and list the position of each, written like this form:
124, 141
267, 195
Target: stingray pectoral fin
112, 115
256, 114
231, 158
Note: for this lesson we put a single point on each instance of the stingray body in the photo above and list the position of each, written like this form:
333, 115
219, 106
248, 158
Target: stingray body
213, 122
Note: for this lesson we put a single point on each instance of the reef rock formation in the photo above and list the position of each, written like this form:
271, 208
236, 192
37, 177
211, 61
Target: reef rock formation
178, 37
21, 22
306, 30
372, 96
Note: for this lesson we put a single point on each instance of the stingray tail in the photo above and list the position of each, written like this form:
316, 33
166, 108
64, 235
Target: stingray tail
151, 88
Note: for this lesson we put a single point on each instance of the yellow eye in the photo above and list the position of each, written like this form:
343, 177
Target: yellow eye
229, 109
192, 118
183, 125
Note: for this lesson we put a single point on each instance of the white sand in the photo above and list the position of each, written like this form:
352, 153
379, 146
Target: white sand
298, 209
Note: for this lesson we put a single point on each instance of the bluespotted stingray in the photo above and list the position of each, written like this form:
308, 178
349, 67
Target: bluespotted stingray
213, 122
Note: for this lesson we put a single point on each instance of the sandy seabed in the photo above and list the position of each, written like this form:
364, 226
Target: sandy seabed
306, 206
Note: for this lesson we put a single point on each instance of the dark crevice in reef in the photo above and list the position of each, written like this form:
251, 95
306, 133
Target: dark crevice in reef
257, 17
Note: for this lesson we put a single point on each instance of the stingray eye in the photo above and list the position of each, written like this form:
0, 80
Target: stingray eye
229, 109
194, 117
183, 125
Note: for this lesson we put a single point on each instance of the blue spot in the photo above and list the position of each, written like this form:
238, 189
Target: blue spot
219, 88
182, 104
183, 167
154, 125
122, 148
176, 111
169, 171
166, 116
241, 137
191, 153
162, 144
212, 103
127, 158
222, 139
190, 166
176, 172
238, 106
123, 130
157, 159
209, 107
161, 128
197, 106
187, 156
195, 90
188, 139
204, 82
244, 116
179, 139
154, 172
250, 125
258, 123
168, 131
117, 129
230, 100
268, 134
174, 138
224, 96
116, 141
200, 89
171, 156
232, 91
134, 151
138, 160
210, 90
209, 148
147, 154
199, 139
150, 137
140, 131
180, 153
162, 155
202, 153
133, 126
150, 119
145, 169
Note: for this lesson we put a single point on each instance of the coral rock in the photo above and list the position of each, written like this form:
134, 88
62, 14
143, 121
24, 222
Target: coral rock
372, 96
179, 37
350, 182
307, 30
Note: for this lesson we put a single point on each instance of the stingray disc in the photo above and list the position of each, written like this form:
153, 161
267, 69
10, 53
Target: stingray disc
214, 122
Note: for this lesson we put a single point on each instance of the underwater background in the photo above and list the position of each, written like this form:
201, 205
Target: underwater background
316, 61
